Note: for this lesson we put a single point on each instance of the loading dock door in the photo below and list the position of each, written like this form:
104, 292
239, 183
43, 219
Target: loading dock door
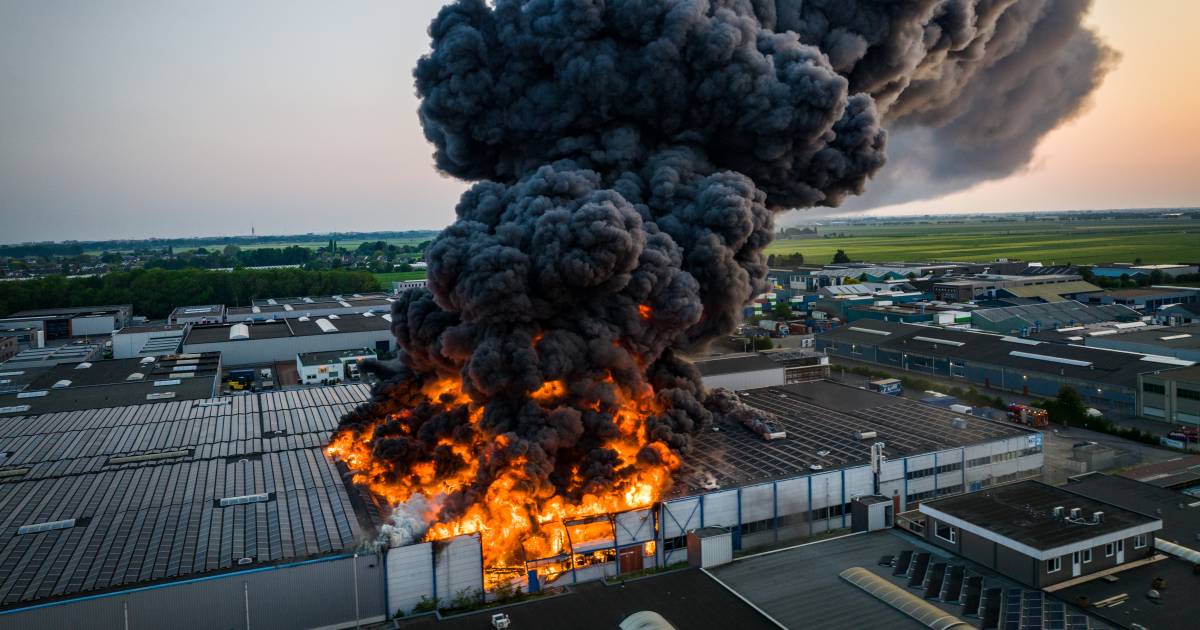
631, 559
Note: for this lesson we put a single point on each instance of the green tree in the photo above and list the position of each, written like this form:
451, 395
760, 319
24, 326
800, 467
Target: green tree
763, 343
782, 310
1067, 407
840, 257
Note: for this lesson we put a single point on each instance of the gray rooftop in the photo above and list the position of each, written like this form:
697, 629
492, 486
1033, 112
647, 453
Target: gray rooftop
1030, 355
332, 356
735, 363
161, 519
1023, 512
824, 416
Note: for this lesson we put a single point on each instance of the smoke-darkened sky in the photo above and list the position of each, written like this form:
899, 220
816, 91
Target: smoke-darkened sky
135, 118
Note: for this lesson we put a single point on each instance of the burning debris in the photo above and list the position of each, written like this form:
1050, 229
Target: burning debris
630, 156
727, 406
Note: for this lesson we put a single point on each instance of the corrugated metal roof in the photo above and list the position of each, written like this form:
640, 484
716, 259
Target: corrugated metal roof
159, 518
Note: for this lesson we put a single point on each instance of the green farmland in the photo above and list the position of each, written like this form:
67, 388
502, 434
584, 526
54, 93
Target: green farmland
386, 279
1059, 242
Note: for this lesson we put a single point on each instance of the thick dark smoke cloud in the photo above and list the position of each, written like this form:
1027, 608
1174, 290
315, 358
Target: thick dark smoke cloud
630, 157
967, 88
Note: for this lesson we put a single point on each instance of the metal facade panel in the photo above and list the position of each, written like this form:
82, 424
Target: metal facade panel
409, 576
721, 508
459, 566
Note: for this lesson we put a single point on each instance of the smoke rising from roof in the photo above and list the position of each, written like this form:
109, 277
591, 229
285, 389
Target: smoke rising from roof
631, 156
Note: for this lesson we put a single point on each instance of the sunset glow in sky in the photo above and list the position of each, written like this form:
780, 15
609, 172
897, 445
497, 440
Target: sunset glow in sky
137, 118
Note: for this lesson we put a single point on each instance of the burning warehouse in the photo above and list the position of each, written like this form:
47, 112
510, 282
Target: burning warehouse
629, 159
762, 491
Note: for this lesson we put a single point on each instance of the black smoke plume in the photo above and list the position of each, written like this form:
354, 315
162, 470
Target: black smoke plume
631, 156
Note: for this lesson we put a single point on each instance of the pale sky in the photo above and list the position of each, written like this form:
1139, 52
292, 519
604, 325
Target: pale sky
139, 118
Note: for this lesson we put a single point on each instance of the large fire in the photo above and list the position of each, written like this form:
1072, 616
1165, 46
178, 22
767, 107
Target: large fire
516, 523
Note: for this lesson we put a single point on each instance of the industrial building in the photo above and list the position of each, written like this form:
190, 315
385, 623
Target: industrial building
1131, 270
147, 340
1106, 379
331, 367
8, 348
1170, 574
311, 307
49, 356
1147, 300
233, 499
1180, 342
64, 323
215, 513
204, 314
1038, 534
740, 371
112, 383
256, 343
1016, 320
1172, 396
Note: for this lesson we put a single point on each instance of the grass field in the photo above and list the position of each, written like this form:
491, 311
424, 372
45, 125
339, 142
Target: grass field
1154, 241
348, 244
386, 279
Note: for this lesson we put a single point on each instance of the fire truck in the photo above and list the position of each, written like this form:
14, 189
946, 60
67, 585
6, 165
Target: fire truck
1031, 416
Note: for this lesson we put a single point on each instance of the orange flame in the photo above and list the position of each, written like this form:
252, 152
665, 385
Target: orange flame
518, 518
645, 311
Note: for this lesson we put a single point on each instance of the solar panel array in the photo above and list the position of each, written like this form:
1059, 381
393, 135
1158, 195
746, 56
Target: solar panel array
991, 607
155, 517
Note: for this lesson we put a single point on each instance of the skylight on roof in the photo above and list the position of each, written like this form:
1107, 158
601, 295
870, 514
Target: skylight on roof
167, 382
326, 326
870, 331
160, 395
262, 497
83, 366
36, 394
37, 528
936, 340
1020, 340
1174, 337
14, 409
1051, 359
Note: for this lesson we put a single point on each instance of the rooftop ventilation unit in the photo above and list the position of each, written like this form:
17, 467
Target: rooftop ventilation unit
255, 309
287, 307
1058, 511
344, 304
326, 326
85, 365
1097, 516
958, 423
1076, 513
866, 435
238, 332
308, 300
388, 317
272, 302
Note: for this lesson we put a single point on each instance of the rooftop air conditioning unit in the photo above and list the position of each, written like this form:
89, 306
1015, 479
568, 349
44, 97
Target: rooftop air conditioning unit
1097, 516
1058, 511
1075, 513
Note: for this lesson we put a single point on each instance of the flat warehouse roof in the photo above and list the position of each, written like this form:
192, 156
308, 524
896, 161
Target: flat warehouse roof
170, 490
979, 348
821, 419
1024, 512
737, 363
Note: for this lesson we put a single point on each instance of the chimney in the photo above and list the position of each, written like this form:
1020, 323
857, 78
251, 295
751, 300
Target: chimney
1097, 516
